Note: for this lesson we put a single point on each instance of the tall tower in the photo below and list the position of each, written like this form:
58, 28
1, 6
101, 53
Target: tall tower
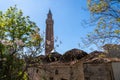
49, 41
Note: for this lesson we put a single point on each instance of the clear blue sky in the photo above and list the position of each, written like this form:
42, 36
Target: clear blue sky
67, 14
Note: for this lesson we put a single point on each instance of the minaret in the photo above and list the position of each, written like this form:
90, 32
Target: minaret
49, 41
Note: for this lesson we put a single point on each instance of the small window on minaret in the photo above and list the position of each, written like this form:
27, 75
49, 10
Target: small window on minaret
56, 72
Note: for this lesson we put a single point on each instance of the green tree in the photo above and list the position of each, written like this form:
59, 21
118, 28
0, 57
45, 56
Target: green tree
18, 37
15, 26
106, 17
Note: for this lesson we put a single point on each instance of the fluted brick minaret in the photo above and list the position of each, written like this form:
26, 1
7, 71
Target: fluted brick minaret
49, 41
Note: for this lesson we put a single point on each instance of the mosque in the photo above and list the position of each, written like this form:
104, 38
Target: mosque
74, 64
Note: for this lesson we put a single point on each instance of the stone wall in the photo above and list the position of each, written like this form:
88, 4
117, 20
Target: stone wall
98, 71
35, 73
95, 69
54, 66
59, 71
76, 66
116, 70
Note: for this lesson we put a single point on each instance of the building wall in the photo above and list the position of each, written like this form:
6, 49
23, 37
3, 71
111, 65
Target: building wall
50, 73
98, 71
35, 73
78, 71
116, 70
57, 72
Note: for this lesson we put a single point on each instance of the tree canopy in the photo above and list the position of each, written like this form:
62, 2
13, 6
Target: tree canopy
17, 34
15, 26
106, 17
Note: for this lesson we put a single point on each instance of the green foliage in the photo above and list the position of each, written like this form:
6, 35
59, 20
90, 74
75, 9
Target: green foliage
118, 19
17, 33
15, 25
10, 67
117, 32
98, 7
106, 17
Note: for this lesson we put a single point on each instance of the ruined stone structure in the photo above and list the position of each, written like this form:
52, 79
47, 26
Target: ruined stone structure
74, 64
102, 69
58, 71
49, 41
55, 67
